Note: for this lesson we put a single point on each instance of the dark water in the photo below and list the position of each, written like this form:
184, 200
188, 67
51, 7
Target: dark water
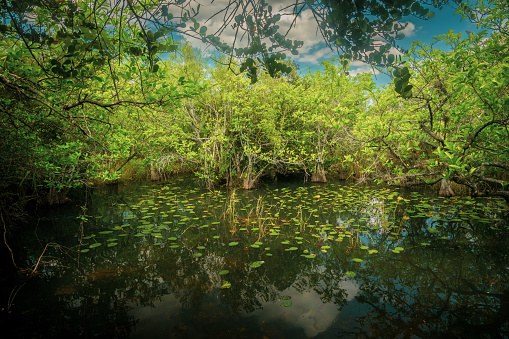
322, 261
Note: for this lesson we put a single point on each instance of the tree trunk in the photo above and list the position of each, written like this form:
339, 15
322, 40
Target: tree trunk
249, 180
445, 189
154, 174
55, 198
319, 174
249, 183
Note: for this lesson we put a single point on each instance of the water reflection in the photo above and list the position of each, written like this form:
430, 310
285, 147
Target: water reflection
449, 279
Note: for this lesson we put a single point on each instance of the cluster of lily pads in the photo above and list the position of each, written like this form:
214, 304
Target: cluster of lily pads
309, 220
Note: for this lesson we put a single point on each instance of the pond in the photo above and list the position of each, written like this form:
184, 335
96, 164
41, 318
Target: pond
287, 260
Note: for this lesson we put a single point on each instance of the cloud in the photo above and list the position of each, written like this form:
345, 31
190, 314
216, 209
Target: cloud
410, 29
357, 67
315, 57
303, 28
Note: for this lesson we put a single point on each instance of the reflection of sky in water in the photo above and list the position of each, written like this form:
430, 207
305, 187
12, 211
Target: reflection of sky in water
160, 292
308, 313
155, 320
307, 310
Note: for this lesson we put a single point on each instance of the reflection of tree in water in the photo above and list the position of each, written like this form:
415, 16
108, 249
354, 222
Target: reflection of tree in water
107, 286
451, 287
458, 292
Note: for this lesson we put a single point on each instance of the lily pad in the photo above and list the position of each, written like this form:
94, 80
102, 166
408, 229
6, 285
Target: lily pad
257, 264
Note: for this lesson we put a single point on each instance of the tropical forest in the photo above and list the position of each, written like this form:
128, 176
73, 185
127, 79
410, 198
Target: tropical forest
173, 169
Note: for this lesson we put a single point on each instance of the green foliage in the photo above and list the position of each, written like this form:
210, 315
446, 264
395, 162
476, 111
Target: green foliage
85, 95
78, 92
458, 124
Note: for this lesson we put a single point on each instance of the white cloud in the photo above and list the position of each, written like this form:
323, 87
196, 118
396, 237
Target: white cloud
304, 29
357, 67
316, 56
410, 29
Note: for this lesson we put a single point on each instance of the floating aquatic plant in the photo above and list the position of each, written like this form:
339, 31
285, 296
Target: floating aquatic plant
257, 264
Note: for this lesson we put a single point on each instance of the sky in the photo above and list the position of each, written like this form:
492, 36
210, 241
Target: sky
315, 50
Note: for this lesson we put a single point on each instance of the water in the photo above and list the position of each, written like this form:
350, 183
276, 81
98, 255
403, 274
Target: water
313, 261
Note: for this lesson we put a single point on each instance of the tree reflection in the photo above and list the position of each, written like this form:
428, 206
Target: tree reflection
453, 283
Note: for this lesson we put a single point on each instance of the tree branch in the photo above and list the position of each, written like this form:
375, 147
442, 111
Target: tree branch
104, 105
432, 134
472, 137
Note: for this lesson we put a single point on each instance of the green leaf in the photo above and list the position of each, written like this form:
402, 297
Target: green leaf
257, 264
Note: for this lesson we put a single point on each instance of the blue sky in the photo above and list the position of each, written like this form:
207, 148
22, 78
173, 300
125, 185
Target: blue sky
314, 49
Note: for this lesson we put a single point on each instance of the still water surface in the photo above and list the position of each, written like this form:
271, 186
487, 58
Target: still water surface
282, 261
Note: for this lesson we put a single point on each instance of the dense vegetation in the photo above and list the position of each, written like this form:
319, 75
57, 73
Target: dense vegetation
87, 96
